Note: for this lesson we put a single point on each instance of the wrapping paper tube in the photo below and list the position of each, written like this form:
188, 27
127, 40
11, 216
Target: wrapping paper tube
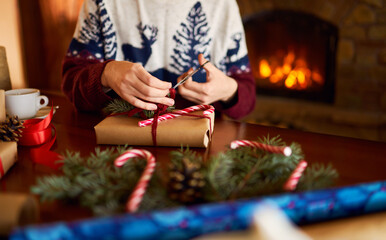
189, 222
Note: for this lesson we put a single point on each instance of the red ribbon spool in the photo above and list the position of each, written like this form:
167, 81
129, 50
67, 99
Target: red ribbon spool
37, 133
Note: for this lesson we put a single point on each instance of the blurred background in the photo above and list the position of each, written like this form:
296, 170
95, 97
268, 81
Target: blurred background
319, 65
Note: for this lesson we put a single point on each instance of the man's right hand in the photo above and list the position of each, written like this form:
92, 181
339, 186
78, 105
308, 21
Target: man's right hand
135, 85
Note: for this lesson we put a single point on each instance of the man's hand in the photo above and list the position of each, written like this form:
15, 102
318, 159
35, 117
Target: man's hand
135, 85
218, 86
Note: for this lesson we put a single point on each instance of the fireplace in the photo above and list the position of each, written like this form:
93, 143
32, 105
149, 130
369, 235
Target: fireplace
292, 54
342, 42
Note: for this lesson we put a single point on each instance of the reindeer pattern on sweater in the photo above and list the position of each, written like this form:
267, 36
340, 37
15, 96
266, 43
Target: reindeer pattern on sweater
164, 36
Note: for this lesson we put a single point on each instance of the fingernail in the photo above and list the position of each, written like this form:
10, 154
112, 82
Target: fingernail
170, 102
153, 107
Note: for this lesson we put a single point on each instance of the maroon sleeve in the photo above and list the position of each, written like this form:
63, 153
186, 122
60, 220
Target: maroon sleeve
241, 105
81, 83
243, 102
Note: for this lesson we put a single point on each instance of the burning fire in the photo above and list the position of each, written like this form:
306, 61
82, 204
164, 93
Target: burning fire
293, 73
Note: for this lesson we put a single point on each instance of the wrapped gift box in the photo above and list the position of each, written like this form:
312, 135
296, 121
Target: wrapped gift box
8, 150
8, 156
183, 130
16, 210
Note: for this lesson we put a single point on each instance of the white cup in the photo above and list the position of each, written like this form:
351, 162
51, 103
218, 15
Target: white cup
24, 102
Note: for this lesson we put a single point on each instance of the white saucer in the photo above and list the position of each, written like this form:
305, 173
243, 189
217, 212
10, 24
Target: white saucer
44, 111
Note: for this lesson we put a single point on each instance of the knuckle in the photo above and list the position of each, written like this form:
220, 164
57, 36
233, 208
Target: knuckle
131, 99
150, 80
137, 103
204, 100
208, 90
125, 78
136, 66
147, 92
121, 85
181, 90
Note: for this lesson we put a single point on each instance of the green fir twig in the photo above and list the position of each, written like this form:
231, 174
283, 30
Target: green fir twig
244, 172
118, 105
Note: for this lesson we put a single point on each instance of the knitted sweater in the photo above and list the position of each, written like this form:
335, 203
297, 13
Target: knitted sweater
165, 36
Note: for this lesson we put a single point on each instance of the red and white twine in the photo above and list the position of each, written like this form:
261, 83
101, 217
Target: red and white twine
140, 189
208, 110
285, 150
293, 180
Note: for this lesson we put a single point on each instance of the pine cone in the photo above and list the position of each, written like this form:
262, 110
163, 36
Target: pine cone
10, 130
185, 184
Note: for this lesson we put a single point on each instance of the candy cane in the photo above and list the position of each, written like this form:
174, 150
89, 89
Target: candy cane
293, 180
140, 189
285, 150
208, 110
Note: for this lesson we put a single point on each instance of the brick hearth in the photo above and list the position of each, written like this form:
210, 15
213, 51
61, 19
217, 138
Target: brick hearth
359, 109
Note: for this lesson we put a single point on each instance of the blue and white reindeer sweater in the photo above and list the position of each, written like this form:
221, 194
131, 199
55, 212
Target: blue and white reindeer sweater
165, 36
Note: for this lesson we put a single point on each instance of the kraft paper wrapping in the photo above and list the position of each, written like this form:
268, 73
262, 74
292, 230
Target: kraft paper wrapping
8, 155
183, 130
16, 210
2, 106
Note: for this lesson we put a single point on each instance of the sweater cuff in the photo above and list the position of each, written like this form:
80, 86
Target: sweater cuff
95, 88
244, 100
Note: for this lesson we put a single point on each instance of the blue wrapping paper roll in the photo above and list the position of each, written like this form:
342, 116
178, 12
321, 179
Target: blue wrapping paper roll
188, 222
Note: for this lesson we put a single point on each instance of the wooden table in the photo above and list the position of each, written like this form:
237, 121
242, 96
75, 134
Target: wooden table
356, 160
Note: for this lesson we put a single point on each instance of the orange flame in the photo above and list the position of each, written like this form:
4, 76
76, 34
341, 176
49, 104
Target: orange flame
265, 70
293, 73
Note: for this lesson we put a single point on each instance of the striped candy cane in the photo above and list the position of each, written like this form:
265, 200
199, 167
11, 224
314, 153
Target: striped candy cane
293, 180
139, 190
285, 150
208, 110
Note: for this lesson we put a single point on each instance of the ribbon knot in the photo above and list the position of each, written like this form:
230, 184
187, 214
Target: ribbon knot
161, 109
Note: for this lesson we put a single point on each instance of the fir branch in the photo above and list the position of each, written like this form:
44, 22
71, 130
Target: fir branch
156, 196
317, 176
118, 105
94, 182
255, 171
51, 188
219, 177
177, 156
275, 141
